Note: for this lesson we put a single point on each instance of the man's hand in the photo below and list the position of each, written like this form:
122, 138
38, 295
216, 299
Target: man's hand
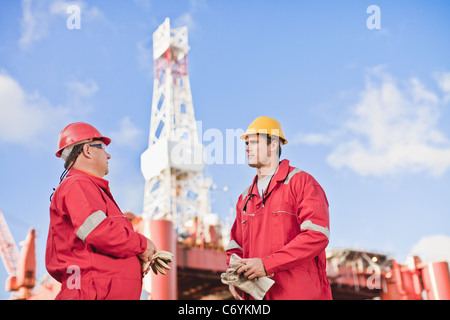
252, 268
147, 255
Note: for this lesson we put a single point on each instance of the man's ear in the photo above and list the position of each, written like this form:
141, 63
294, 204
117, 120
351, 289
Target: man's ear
87, 151
274, 145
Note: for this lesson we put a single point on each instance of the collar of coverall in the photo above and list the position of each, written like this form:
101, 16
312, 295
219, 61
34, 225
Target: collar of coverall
280, 175
104, 184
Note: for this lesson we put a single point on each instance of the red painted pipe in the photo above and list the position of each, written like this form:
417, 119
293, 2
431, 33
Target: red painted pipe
436, 280
164, 287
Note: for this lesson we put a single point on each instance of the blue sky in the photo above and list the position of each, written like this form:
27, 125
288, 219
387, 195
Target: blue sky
365, 111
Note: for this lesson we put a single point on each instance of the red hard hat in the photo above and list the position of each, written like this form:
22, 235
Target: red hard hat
76, 132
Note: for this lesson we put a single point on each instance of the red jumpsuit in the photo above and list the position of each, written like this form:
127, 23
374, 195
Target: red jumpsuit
289, 233
91, 246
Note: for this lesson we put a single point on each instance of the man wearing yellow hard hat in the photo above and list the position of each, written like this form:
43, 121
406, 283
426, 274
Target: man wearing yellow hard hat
281, 228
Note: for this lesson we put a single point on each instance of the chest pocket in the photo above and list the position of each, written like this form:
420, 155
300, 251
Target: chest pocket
251, 223
285, 225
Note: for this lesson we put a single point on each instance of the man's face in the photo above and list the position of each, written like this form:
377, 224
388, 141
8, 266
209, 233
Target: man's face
258, 153
100, 157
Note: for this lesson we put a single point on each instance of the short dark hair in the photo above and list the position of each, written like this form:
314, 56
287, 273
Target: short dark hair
76, 150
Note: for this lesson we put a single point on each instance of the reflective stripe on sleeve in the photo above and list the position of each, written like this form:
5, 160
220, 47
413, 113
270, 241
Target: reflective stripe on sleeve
90, 224
315, 227
289, 176
233, 245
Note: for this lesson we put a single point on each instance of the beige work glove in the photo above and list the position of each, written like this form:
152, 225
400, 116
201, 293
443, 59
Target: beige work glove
160, 261
256, 287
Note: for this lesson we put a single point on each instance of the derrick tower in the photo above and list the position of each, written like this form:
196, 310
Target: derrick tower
175, 188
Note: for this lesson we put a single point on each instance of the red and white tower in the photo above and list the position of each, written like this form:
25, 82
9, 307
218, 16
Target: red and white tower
176, 193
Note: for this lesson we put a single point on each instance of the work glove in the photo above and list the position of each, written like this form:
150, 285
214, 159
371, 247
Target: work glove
256, 287
160, 261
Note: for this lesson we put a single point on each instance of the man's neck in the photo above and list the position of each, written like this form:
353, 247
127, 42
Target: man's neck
264, 170
88, 170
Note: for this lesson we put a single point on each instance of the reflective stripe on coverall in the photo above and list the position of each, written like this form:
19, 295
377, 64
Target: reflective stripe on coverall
289, 233
91, 246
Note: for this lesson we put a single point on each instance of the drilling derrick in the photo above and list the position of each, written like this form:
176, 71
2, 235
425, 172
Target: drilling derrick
176, 194
172, 164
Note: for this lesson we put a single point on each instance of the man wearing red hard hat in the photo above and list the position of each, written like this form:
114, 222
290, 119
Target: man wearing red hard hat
92, 248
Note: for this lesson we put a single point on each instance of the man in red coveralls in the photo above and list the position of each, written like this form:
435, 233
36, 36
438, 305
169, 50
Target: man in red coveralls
92, 248
282, 221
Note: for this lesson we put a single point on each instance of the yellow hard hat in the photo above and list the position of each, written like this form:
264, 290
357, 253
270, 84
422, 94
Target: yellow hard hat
265, 125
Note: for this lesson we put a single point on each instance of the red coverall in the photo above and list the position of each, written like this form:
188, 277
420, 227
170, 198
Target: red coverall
91, 246
289, 233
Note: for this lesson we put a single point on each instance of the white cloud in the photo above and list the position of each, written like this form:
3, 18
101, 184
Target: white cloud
144, 4
311, 138
392, 128
34, 24
37, 17
145, 56
78, 94
432, 248
83, 89
25, 117
59, 7
444, 83
128, 134
28, 118
187, 18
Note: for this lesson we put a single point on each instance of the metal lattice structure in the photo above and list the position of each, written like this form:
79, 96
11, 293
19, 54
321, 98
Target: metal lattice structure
8, 248
172, 165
